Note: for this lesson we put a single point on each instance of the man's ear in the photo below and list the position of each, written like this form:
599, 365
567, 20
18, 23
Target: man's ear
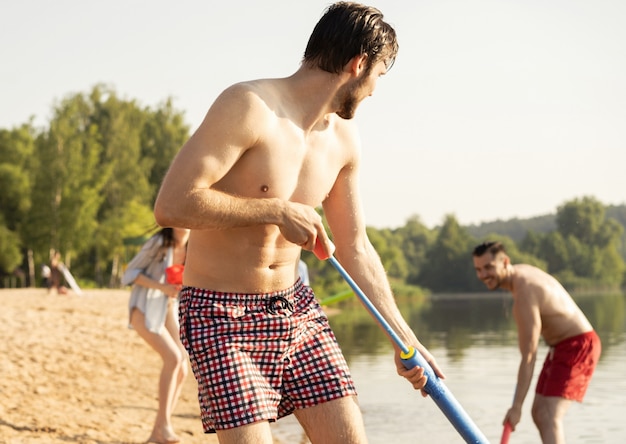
357, 64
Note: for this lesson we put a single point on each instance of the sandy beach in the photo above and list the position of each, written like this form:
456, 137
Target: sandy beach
71, 371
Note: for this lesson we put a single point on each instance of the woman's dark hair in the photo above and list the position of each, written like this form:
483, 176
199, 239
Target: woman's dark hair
347, 30
168, 236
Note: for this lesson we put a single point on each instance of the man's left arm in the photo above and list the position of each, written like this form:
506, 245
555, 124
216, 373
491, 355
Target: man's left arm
344, 213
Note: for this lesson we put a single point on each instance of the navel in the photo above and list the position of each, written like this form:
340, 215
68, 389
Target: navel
264, 188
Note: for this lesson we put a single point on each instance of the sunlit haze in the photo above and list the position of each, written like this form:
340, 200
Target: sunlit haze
493, 109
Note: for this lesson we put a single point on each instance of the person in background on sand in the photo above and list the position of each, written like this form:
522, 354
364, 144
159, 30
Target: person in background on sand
153, 314
45, 276
247, 183
542, 307
56, 274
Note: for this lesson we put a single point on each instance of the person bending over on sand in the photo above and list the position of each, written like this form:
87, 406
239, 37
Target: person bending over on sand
56, 274
247, 183
542, 307
153, 311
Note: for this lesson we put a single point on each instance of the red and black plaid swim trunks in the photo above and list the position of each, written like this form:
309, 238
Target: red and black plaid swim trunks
259, 357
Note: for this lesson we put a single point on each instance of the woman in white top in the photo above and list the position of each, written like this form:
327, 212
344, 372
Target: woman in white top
153, 314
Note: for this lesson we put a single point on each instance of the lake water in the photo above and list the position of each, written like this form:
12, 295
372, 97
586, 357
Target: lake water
474, 341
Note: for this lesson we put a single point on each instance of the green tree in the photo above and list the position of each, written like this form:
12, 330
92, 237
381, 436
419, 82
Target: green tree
163, 134
591, 240
17, 147
10, 255
16, 164
387, 245
126, 190
531, 243
87, 181
68, 183
555, 252
449, 266
149, 139
138, 144
584, 219
415, 241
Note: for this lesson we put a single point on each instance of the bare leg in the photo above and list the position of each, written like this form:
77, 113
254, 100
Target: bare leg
172, 326
256, 433
169, 386
548, 413
334, 422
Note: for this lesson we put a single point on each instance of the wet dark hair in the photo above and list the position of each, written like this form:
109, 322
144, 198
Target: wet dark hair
347, 30
168, 236
491, 247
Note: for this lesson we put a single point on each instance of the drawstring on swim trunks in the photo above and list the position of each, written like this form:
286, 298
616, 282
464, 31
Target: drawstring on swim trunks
276, 303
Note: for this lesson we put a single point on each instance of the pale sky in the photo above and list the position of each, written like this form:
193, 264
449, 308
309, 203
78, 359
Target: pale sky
494, 108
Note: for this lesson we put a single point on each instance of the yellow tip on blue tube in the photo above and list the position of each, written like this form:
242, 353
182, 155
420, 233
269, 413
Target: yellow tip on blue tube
409, 354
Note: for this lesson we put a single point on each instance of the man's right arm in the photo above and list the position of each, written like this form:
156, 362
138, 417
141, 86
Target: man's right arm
187, 197
528, 320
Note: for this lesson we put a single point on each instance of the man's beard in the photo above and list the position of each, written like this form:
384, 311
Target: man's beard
348, 107
349, 102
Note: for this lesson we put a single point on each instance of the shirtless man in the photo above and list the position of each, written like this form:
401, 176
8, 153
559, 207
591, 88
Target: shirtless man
542, 307
247, 184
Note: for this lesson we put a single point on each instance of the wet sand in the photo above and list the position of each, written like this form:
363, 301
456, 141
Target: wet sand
71, 371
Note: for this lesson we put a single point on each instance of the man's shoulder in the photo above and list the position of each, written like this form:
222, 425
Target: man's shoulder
534, 280
254, 87
529, 270
251, 95
528, 277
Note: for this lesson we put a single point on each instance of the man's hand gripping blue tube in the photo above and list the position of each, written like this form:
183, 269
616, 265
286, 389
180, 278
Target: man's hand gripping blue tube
435, 388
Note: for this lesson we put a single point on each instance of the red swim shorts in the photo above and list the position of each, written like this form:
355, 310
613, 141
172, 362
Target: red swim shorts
569, 366
259, 357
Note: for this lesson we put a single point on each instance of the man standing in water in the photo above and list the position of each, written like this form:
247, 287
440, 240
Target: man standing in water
542, 307
247, 183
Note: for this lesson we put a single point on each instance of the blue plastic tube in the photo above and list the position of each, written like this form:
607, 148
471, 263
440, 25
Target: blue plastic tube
435, 388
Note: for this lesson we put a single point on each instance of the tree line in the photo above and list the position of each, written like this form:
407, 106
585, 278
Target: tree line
85, 184
584, 251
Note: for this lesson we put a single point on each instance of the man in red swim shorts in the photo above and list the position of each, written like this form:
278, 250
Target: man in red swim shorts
542, 307
569, 366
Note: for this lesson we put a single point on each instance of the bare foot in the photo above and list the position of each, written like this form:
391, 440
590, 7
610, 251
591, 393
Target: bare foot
172, 440
163, 437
